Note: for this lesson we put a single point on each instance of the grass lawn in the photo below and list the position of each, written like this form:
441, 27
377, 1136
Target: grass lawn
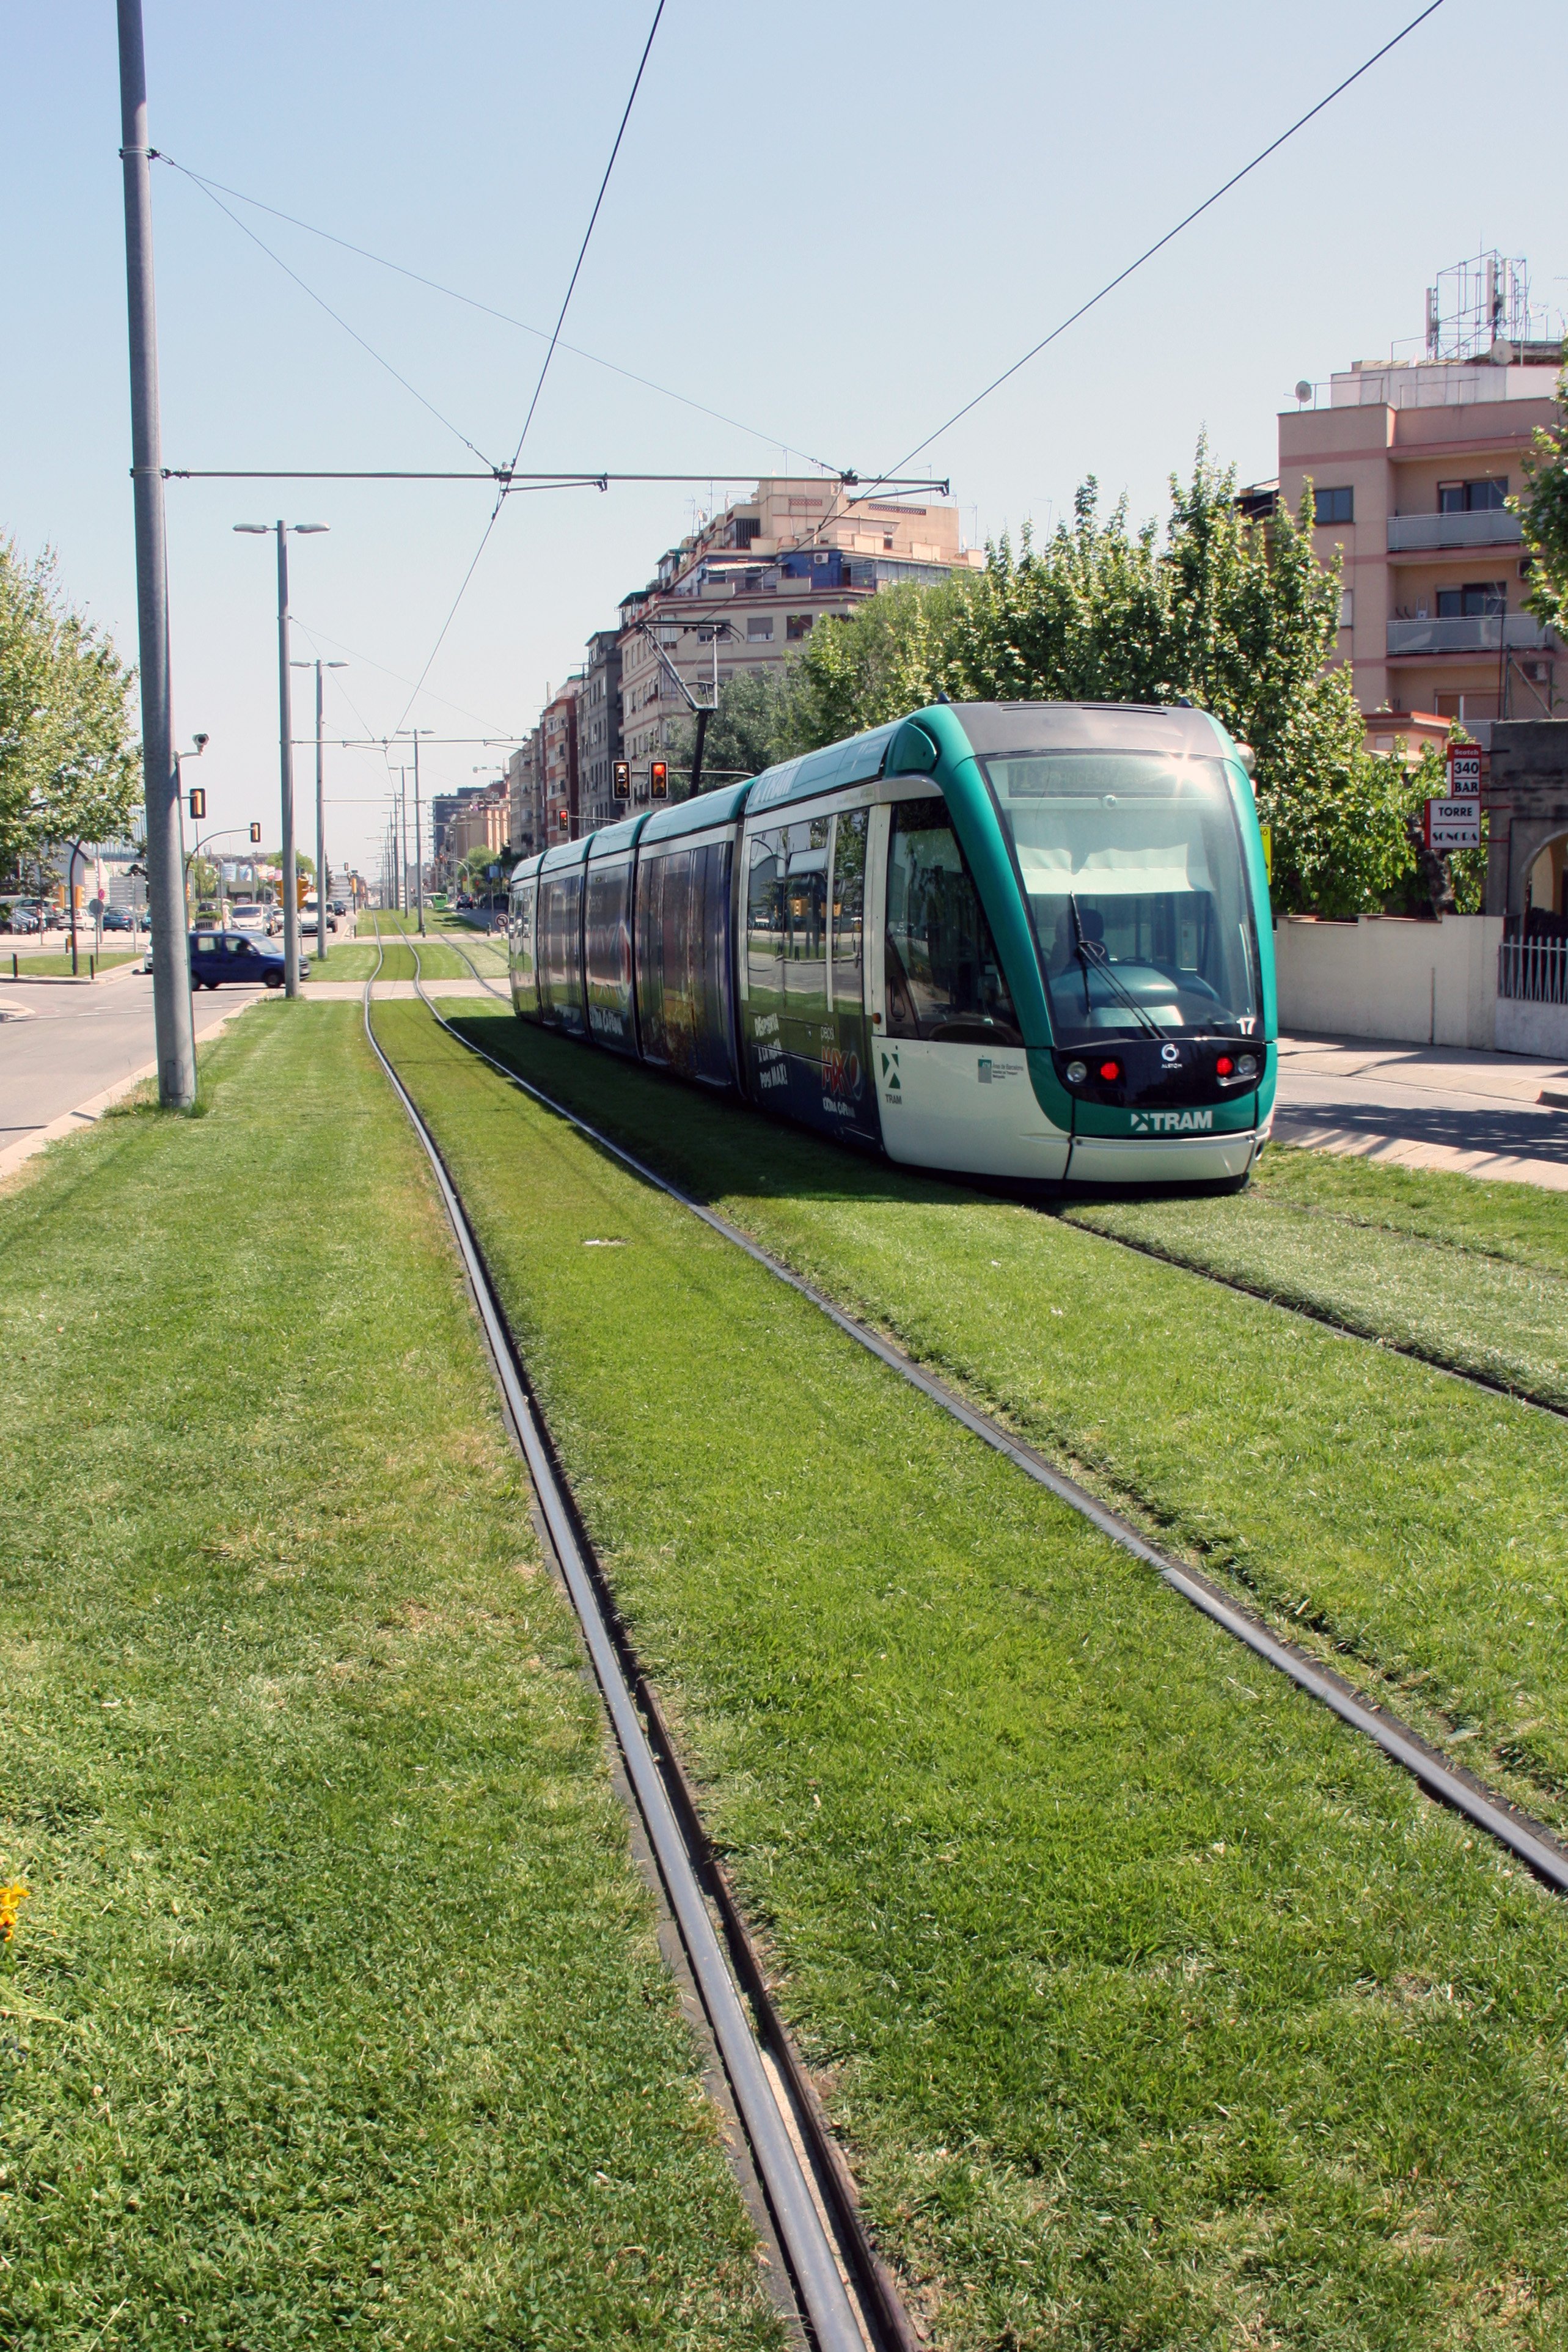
335, 2012
1444, 1294
346, 959
48, 964
1418, 1524
1521, 1221
1156, 2009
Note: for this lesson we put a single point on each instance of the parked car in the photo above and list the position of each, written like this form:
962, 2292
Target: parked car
23, 919
217, 956
118, 919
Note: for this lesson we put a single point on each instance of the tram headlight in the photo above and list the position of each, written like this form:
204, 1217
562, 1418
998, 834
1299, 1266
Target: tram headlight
1076, 1073
1247, 1068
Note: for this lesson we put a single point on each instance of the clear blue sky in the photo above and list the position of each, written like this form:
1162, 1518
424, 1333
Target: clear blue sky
831, 222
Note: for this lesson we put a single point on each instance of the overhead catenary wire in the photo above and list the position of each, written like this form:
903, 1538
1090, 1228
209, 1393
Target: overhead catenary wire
472, 302
544, 369
336, 316
1150, 251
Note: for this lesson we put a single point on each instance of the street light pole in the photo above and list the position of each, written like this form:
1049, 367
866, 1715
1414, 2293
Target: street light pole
286, 744
320, 811
173, 1028
418, 845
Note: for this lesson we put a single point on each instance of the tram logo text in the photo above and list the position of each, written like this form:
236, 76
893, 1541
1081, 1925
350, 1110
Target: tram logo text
1172, 1122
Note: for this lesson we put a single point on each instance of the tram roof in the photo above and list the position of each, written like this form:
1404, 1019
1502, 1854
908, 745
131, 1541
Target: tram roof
999, 726
720, 806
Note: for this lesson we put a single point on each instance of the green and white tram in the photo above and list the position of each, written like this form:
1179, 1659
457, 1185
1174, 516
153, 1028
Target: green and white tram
1017, 940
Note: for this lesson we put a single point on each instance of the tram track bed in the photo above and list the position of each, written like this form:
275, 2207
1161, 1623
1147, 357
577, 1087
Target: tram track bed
1152, 2007
334, 2011
1406, 1523
1489, 1304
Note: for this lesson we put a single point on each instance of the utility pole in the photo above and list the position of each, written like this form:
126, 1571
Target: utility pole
321, 810
286, 765
173, 1028
419, 841
402, 821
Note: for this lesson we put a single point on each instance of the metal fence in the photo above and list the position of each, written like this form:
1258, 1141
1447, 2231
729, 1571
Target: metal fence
1533, 971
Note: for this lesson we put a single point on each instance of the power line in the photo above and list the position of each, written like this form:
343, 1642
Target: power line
335, 316
1122, 275
560, 323
454, 294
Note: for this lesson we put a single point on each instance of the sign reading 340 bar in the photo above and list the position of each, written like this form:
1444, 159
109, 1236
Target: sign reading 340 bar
1464, 771
1454, 824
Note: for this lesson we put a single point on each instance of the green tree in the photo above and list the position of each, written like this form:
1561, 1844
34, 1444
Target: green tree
1239, 620
68, 754
1543, 510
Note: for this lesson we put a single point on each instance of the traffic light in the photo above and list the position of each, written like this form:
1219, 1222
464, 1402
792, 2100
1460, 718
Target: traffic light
255, 833
198, 800
621, 771
658, 779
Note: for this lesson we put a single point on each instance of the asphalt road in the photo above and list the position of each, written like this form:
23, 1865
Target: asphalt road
1426, 1107
61, 1046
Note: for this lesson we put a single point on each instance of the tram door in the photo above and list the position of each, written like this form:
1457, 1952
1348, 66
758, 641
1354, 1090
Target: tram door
953, 1078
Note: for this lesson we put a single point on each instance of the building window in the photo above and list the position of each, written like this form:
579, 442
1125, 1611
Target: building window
759, 625
1472, 497
1477, 600
796, 626
1333, 505
1347, 608
747, 529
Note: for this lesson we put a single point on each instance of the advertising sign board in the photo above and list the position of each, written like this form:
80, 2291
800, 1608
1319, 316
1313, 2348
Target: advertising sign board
1464, 771
1454, 824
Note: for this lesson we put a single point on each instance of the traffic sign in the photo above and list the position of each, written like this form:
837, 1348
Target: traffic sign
1464, 771
1454, 824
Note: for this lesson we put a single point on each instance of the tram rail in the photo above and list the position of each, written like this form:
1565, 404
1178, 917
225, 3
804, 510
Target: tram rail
809, 2189
1466, 1793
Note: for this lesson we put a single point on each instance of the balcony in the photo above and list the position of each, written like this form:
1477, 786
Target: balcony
1487, 635
1421, 534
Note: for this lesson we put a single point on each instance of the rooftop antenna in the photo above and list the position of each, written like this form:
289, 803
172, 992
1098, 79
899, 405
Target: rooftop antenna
1303, 391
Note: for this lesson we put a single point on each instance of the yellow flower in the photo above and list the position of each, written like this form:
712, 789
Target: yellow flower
12, 1898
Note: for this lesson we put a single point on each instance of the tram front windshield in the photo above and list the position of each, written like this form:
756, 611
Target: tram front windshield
1133, 864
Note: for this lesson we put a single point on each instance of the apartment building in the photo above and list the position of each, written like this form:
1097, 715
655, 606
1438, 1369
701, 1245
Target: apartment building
478, 822
746, 590
1411, 462
560, 796
525, 819
599, 729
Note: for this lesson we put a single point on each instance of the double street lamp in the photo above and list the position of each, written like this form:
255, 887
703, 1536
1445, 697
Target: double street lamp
286, 743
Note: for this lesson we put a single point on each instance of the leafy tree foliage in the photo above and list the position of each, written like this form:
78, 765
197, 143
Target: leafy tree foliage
752, 726
1238, 619
68, 755
1543, 510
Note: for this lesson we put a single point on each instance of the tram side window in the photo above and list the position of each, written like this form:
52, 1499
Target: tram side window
849, 906
806, 910
765, 921
944, 979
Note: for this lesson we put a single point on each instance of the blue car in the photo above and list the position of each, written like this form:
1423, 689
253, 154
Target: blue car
217, 956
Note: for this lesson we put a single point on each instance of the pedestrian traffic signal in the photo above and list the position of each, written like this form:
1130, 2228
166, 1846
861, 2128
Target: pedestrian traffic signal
255, 833
198, 800
621, 770
658, 779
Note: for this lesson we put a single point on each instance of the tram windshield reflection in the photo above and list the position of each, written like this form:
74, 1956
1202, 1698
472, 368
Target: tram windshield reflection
1133, 865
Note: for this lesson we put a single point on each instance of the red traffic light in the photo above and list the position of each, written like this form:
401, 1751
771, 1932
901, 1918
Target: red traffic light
658, 779
255, 833
198, 800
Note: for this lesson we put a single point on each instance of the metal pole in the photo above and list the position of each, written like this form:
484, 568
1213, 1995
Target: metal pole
418, 841
321, 835
286, 760
173, 1028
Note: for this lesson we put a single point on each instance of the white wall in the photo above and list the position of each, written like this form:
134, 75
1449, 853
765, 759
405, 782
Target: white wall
1425, 983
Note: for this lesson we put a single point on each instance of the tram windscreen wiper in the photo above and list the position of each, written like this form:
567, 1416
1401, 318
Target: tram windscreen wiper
1095, 956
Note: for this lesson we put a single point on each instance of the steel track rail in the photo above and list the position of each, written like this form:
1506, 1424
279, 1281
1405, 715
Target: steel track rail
824, 2302
1525, 1837
1492, 1384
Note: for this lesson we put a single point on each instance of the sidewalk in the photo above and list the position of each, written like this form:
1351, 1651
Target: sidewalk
1427, 1107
